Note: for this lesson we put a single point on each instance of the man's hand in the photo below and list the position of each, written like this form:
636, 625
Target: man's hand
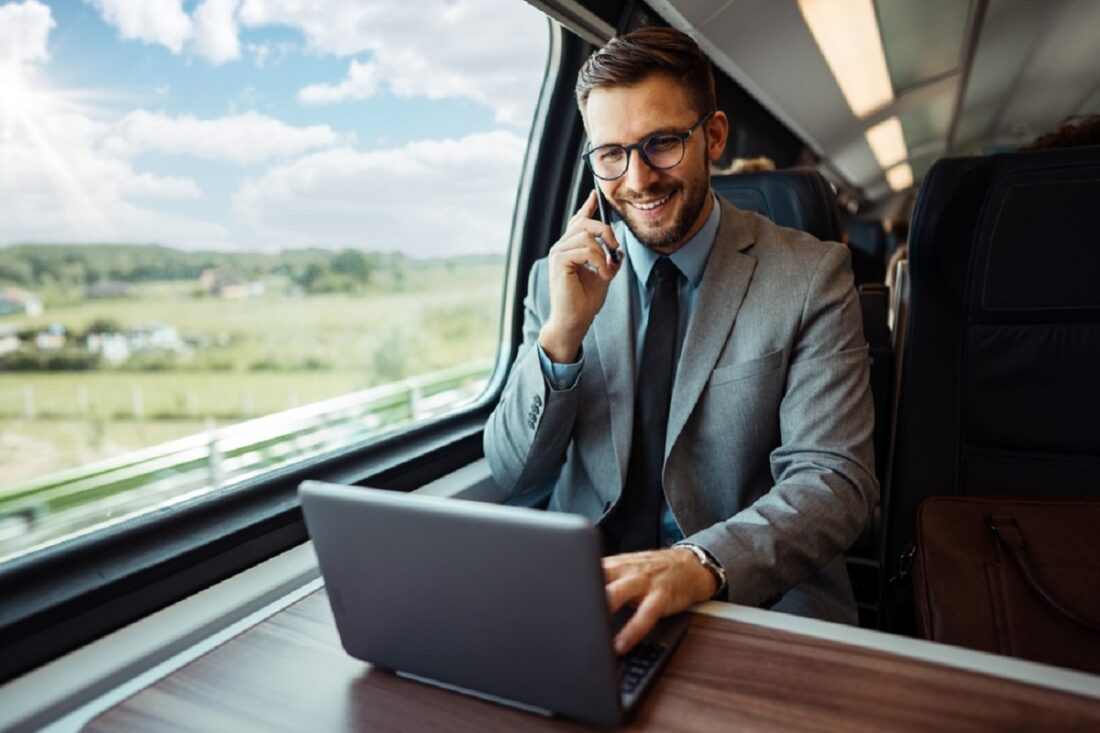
659, 582
580, 274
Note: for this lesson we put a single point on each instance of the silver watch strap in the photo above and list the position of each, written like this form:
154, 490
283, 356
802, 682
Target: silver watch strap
708, 562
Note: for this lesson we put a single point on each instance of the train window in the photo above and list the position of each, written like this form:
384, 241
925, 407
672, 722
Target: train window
235, 235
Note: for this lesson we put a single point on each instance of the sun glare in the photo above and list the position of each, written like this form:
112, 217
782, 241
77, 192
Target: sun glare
22, 102
16, 98
28, 113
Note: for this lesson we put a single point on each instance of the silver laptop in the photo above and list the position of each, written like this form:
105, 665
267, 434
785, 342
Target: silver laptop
501, 602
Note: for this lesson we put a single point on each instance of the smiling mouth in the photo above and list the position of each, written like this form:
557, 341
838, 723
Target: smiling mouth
650, 205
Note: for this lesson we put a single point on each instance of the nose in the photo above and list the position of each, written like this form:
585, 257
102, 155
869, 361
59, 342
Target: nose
639, 176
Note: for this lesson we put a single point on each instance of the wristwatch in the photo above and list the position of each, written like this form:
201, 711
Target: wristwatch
710, 564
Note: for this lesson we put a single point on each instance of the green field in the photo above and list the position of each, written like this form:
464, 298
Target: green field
250, 357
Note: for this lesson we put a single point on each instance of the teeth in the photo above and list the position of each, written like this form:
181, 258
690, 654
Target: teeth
652, 204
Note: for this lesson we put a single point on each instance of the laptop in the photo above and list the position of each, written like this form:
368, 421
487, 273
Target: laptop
504, 603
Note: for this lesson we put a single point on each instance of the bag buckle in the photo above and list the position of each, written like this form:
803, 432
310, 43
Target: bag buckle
1007, 529
905, 564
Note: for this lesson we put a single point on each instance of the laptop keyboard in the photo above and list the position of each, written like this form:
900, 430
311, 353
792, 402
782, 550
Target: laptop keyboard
637, 664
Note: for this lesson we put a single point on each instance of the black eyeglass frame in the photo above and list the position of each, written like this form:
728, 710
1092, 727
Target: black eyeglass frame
641, 146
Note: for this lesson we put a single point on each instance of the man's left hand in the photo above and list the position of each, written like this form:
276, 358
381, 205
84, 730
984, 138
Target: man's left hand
659, 582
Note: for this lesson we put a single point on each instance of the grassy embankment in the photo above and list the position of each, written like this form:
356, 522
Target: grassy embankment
258, 356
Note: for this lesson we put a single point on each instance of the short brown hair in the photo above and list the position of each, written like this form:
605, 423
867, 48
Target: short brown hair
1073, 131
645, 52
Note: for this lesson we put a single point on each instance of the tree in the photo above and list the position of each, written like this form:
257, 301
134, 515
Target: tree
352, 263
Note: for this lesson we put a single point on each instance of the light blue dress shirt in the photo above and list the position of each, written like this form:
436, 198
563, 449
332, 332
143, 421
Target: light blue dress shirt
691, 259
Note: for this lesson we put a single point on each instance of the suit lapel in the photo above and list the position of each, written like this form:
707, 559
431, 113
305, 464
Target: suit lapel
725, 281
615, 343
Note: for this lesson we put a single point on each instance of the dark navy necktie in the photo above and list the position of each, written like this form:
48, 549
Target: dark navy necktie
640, 509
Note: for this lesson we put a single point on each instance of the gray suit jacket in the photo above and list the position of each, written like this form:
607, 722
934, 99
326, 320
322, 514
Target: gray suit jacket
768, 459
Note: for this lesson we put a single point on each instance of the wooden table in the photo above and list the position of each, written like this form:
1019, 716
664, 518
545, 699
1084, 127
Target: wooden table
289, 673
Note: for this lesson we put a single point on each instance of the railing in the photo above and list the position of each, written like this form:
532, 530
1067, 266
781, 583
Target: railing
62, 505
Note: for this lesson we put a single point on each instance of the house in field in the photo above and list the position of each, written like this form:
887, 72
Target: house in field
219, 283
9, 340
52, 339
14, 301
117, 347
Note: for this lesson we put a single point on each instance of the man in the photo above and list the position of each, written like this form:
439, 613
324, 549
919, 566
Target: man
706, 400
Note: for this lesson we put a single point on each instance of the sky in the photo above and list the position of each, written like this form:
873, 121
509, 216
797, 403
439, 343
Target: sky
261, 125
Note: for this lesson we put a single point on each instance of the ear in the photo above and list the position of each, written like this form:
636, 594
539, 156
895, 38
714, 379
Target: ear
718, 130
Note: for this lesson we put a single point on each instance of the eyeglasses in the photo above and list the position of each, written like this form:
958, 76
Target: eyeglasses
661, 151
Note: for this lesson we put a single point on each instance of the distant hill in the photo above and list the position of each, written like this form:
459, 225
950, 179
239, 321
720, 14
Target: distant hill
67, 265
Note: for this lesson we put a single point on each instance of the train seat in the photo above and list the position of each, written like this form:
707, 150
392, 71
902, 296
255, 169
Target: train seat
799, 198
869, 244
998, 390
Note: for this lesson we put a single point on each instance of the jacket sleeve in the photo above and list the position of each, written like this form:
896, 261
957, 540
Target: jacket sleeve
825, 488
528, 432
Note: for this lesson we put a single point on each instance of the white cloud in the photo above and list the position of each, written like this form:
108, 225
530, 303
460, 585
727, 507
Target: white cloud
152, 21
24, 30
216, 31
426, 198
484, 50
210, 31
164, 187
361, 83
270, 52
242, 139
58, 184
330, 26
490, 52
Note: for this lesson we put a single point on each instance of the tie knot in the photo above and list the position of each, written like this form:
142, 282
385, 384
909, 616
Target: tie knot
665, 271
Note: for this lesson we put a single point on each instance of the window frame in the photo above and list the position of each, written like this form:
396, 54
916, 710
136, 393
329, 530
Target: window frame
64, 596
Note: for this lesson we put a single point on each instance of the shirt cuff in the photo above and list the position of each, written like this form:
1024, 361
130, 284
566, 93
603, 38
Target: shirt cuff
560, 377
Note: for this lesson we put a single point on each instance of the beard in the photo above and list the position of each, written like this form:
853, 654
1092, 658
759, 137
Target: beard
688, 198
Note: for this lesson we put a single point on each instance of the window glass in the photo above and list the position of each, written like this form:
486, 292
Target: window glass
239, 233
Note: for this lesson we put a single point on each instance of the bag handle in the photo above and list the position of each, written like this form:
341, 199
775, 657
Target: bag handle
1007, 530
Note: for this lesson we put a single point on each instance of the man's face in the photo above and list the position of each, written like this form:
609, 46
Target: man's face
666, 208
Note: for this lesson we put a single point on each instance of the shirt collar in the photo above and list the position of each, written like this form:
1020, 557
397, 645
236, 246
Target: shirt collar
691, 258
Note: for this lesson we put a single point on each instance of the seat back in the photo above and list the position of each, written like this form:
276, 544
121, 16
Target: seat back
799, 198
999, 389
874, 304
867, 239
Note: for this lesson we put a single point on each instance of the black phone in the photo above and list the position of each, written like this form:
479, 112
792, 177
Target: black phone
615, 255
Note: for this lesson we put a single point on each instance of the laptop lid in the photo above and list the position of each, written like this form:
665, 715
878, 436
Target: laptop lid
503, 601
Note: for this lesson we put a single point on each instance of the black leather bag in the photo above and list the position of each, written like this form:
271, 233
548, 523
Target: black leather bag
1010, 575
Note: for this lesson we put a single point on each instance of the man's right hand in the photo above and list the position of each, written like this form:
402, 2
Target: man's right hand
580, 274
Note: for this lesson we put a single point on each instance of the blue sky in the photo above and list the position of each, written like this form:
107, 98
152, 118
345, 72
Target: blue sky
252, 124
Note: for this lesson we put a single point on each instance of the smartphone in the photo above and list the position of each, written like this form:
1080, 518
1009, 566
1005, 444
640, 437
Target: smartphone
615, 255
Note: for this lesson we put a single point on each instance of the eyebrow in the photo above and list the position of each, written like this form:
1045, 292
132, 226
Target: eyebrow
659, 131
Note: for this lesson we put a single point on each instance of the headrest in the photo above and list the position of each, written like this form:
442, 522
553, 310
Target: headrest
868, 236
799, 198
1018, 230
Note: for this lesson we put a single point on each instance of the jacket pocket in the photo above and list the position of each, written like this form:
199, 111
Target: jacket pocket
761, 365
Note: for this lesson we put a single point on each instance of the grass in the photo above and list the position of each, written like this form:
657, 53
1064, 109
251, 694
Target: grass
259, 356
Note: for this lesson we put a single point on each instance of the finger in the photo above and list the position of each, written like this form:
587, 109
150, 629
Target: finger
618, 562
582, 236
582, 250
640, 624
622, 591
604, 238
592, 228
613, 254
612, 568
588, 208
